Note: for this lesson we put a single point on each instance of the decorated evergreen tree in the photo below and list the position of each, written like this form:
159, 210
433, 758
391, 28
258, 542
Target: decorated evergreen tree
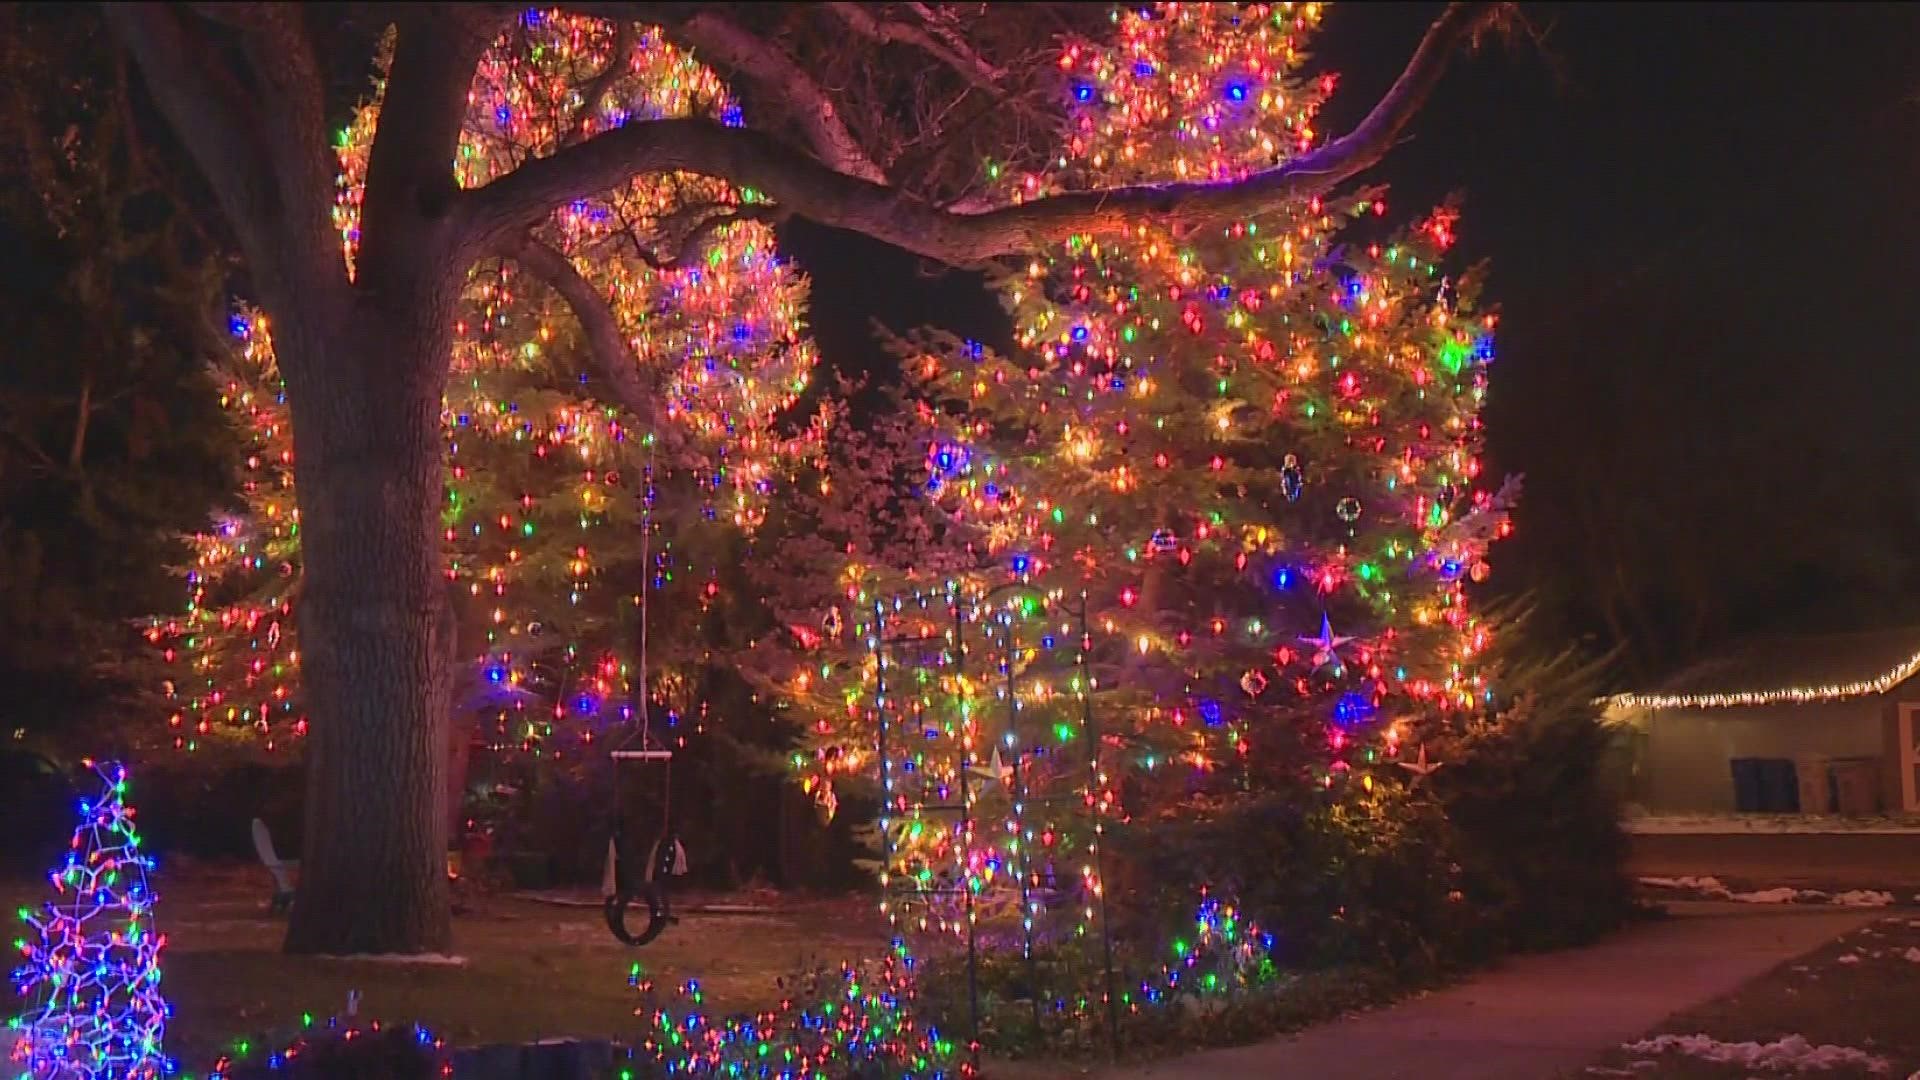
857, 526
1247, 456
554, 462
91, 974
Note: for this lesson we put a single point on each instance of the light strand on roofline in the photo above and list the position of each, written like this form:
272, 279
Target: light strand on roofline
1798, 695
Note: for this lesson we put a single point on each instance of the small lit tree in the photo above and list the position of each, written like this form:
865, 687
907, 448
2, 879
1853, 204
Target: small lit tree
91, 973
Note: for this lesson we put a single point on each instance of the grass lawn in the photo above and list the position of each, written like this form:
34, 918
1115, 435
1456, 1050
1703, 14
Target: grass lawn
532, 970
1859, 993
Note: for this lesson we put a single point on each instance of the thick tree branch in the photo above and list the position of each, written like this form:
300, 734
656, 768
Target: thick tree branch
82, 420
809, 189
863, 20
619, 56
707, 221
611, 358
290, 85
749, 57
208, 111
410, 178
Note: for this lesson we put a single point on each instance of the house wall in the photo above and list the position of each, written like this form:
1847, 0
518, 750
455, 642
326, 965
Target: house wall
1685, 753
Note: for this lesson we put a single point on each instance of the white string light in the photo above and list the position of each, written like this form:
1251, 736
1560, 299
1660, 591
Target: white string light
1797, 695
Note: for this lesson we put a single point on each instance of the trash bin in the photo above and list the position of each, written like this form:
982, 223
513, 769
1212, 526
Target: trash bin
1815, 778
1856, 786
1746, 785
1779, 791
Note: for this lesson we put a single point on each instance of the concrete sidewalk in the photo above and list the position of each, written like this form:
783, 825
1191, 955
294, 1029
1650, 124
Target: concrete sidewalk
1535, 1016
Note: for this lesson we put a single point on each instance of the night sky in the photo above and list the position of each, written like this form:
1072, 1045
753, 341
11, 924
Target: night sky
1702, 235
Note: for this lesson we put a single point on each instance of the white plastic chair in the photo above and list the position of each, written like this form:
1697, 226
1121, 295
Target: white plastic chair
281, 869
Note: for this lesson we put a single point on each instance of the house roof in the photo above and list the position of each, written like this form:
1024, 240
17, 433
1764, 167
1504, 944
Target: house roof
1796, 669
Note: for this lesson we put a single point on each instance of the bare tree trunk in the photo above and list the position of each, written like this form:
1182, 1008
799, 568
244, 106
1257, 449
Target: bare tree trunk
373, 616
459, 730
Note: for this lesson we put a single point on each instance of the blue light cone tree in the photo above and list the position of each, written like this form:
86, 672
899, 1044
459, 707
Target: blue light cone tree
91, 976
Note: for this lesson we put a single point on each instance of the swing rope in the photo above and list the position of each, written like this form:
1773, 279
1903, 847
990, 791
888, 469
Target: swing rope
617, 883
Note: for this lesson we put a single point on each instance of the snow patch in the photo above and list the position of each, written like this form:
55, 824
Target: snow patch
1732, 824
426, 959
1789, 1053
1911, 956
1714, 889
1862, 898
1848, 958
1711, 886
1781, 895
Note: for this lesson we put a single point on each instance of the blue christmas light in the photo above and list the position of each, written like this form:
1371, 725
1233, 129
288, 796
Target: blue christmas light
1352, 709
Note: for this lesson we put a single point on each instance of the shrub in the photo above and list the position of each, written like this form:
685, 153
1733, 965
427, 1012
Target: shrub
1537, 829
342, 1053
1369, 879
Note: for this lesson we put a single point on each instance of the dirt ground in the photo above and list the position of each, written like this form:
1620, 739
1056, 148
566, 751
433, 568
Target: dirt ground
1833, 862
531, 970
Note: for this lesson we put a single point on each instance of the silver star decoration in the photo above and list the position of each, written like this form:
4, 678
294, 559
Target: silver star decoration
995, 771
1326, 646
1420, 767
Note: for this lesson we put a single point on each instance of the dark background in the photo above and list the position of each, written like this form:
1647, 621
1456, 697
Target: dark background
1702, 233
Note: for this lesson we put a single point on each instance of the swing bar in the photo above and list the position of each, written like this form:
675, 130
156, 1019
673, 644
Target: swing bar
642, 755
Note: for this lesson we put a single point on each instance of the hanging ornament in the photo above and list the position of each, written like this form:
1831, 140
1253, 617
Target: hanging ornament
1480, 570
1163, 542
1253, 682
535, 629
1348, 509
1292, 480
832, 624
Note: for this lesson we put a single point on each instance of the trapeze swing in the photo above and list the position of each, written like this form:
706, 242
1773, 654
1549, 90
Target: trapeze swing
627, 879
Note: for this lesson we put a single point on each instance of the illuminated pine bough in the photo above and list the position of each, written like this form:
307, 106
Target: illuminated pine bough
339, 1048
92, 973
858, 1022
551, 471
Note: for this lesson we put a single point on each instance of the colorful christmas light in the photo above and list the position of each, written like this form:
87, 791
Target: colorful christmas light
564, 513
250, 1058
858, 1021
91, 973
1246, 454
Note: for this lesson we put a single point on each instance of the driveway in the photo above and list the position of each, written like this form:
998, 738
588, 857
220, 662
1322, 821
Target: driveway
1536, 1016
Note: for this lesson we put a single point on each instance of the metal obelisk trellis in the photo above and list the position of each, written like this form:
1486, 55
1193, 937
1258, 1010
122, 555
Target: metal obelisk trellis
904, 804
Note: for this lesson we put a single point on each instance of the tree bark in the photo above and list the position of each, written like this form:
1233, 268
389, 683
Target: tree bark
458, 726
368, 462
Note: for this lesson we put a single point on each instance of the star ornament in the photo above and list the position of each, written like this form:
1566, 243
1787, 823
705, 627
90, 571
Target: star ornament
1420, 767
995, 771
1326, 646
